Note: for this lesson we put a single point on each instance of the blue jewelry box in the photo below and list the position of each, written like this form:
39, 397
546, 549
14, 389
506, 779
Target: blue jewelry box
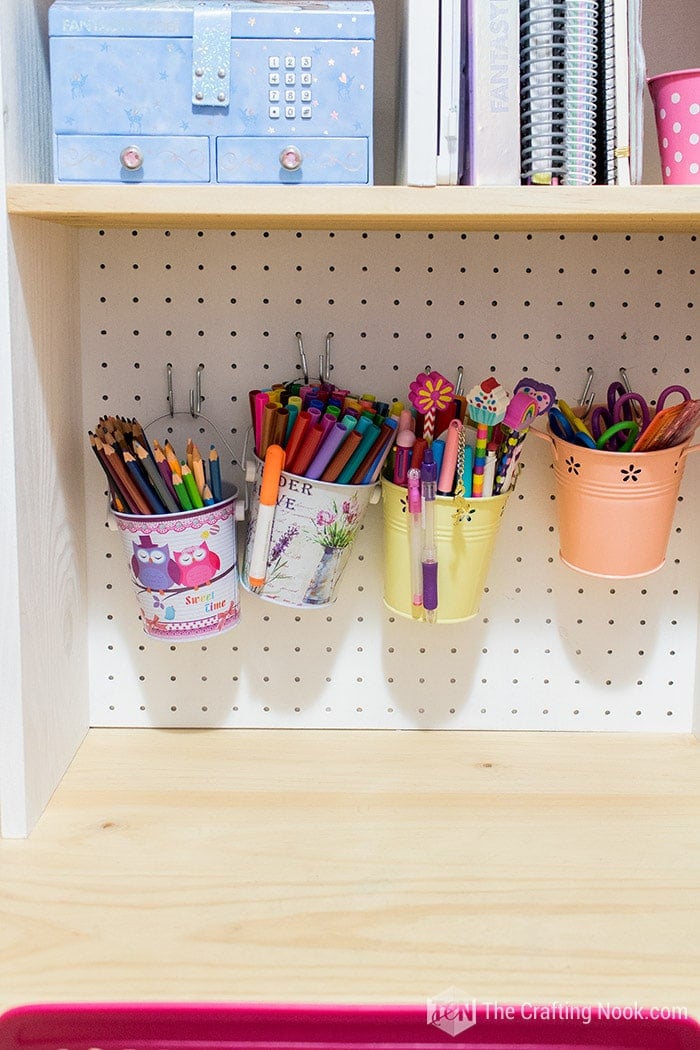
221, 91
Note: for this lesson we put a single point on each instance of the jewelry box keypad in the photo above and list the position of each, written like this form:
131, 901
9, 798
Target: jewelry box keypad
290, 87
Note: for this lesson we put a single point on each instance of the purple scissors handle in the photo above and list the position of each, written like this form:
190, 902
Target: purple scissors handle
621, 409
638, 408
616, 390
666, 393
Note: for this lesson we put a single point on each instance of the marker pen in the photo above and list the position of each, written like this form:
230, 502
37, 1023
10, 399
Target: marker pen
269, 487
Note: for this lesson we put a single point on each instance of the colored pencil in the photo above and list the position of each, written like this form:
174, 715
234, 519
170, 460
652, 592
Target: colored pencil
173, 461
154, 476
119, 500
215, 474
198, 469
181, 492
151, 497
191, 486
116, 466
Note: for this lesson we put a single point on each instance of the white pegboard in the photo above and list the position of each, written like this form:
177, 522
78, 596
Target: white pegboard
550, 648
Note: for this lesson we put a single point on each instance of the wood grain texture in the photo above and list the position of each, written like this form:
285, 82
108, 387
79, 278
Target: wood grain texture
599, 208
360, 866
44, 655
46, 704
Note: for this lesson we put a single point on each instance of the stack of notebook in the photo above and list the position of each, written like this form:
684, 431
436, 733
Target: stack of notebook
511, 92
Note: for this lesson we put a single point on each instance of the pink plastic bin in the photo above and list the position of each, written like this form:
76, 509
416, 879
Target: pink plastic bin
289, 1027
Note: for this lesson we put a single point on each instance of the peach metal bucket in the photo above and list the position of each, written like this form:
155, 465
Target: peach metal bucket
615, 509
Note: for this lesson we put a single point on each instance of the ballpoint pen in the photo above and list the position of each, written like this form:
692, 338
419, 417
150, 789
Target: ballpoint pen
428, 476
415, 540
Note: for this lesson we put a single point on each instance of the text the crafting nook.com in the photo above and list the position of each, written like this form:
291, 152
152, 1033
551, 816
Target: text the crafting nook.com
456, 1013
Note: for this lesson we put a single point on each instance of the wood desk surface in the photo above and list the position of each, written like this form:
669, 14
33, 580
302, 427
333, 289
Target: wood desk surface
309, 866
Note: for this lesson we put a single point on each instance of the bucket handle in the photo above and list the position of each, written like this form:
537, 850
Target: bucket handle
541, 434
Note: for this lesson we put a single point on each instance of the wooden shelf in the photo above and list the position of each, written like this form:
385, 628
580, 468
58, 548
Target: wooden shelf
645, 209
360, 866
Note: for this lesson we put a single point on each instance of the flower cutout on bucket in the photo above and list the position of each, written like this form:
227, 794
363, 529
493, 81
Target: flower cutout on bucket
572, 466
631, 473
464, 511
429, 393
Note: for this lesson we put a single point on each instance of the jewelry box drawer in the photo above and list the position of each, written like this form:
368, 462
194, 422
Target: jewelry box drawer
142, 158
254, 159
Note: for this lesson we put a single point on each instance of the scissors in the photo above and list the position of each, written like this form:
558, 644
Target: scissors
606, 441
563, 425
627, 405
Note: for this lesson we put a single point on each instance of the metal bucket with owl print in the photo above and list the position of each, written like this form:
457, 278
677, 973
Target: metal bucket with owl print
615, 509
313, 533
183, 569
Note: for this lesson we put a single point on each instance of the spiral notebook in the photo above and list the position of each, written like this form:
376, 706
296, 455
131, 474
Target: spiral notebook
582, 80
544, 92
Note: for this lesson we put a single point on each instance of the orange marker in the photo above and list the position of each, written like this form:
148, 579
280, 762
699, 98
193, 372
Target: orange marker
269, 487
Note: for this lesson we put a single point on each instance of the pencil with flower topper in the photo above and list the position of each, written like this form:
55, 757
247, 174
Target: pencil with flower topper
429, 393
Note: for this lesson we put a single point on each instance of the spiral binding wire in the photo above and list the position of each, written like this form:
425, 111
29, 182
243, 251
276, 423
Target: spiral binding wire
580, 92
609, 92
542, 80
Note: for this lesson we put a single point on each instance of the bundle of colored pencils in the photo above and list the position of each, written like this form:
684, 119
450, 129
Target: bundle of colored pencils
150, 479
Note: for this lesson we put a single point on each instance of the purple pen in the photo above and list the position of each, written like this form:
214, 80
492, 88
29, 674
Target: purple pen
428, 477
415, 540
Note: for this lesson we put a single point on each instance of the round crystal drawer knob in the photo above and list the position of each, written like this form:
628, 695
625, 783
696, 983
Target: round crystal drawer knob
131, 158
291, 158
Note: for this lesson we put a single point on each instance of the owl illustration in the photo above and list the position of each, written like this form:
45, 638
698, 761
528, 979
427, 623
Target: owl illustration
196, 565
152, 565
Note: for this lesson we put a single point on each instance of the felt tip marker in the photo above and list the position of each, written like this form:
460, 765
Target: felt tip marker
269, 488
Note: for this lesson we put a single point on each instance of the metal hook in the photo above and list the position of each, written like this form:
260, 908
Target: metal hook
459, 385
196, 394
169, 395
625, 380
586, 398
302, 358
327, 359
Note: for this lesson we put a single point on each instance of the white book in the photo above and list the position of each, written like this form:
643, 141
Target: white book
623, 146
493, 106
637, 85
417, 132
451, 91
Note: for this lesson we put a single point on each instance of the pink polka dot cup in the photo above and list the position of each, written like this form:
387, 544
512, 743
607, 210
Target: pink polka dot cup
676, 98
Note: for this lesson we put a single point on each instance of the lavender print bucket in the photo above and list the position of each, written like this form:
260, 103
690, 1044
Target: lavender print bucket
314, 528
